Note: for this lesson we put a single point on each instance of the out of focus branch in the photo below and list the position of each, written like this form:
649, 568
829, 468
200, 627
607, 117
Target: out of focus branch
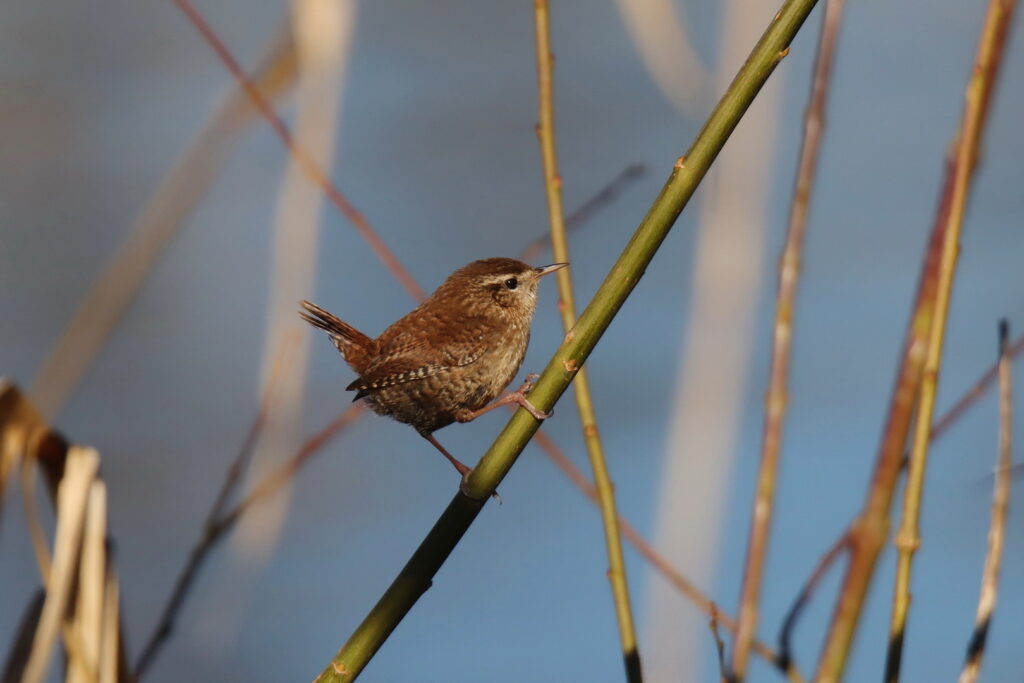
216, 529
301, 156
116, 287
586, 211
782, 341
841, 544
79, 499
870, 531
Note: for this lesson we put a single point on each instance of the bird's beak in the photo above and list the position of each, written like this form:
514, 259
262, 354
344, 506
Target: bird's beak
544, 270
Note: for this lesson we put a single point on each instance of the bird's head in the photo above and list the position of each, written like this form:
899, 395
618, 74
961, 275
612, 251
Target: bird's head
499, 285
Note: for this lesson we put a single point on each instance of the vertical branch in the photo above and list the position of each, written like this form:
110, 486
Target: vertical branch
997, 529
776, 402
977, 97
567, 308
869, 531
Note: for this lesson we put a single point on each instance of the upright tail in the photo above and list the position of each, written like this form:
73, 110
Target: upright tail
353, 344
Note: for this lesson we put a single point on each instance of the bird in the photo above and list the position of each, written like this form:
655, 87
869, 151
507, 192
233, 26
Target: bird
448, 359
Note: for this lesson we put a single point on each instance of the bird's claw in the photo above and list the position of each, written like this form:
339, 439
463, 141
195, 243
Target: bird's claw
519, 396
525, 387
533, 410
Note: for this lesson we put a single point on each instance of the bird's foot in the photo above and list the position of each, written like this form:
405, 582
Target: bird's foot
519, 396
531, 379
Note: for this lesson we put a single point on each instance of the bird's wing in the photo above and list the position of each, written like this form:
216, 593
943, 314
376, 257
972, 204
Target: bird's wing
422, 347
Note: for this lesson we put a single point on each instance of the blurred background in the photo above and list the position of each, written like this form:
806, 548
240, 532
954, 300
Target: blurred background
424, 115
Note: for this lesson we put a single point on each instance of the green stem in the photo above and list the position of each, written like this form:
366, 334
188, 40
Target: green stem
686, 175
567, 308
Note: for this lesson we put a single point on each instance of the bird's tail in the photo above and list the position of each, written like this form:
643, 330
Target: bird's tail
353, 344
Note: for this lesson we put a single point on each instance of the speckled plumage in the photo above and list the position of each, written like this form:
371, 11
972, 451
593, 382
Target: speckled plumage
453, 354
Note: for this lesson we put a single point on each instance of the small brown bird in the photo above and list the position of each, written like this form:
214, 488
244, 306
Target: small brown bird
449, 358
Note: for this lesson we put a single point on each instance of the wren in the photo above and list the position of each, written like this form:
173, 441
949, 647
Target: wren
449, 358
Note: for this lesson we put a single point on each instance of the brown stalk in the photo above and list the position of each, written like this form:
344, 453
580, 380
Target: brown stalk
868, 533
997, 528
24, 429
71, 505
966, 145
777, 399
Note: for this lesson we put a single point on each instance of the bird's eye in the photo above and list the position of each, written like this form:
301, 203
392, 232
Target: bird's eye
511, 283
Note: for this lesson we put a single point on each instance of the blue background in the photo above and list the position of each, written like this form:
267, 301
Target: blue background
437, 148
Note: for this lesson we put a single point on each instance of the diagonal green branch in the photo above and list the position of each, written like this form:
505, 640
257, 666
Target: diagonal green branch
686, 175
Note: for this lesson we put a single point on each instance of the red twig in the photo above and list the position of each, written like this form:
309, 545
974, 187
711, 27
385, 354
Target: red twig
305, 161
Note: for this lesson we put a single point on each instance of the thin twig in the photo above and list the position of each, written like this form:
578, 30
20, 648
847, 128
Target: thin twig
971, 396
567, 307
869, 532
778, 389
232, 479
416, 577
302, 158
719, 648
796, 609
997, 528
215, 530
582, 215
278, 477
